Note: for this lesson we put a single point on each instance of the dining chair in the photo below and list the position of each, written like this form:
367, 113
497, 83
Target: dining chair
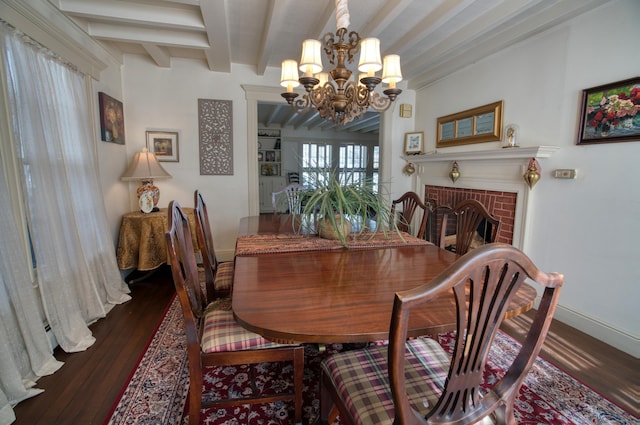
409, 201
414, 381
218, 276
291, 193
474, 226
214, 338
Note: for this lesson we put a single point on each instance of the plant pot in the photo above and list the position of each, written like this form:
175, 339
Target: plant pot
327, 230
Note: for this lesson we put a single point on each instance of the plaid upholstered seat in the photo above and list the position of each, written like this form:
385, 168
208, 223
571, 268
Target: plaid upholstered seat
224, 277
222, 333
362, 379
413, 381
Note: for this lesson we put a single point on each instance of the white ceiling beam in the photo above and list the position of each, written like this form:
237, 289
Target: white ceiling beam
274, 22
187, 2
130, 34
133, 13
384, 17
160, 55
275, 110
526, 24
214, 13
290, 117
433, 21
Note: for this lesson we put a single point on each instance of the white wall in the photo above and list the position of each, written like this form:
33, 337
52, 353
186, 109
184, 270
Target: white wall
113, 158
586, 228
166, 98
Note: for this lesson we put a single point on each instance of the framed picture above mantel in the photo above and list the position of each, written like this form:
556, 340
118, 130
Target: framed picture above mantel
477, 125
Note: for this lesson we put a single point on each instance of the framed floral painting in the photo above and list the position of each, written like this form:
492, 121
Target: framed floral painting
611, 113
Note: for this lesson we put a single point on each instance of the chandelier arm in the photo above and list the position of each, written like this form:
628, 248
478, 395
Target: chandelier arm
302, 104
354, 45
379, 103
327, 43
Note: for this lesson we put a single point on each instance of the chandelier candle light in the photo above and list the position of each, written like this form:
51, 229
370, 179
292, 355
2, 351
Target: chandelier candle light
340, 100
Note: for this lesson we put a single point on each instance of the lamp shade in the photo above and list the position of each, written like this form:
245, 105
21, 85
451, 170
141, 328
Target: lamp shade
370, 56
311, 61
323, 78
145, 166
289, 74
391, 73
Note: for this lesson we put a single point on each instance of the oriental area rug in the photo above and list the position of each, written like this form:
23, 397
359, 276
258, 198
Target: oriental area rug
157, 391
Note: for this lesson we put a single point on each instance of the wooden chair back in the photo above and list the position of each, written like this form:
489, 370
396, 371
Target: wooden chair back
206, 245
483, 282
185, 276
410, 202
184, 269
291, 193
469, 215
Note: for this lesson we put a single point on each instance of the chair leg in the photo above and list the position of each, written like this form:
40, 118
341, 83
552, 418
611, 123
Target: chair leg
298, 374
326, 403
195, 399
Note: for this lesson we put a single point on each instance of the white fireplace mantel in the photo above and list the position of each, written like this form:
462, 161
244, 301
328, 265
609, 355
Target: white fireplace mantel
499, 169
502, 153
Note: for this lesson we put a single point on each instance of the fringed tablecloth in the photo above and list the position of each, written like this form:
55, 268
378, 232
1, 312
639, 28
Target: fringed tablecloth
280, 243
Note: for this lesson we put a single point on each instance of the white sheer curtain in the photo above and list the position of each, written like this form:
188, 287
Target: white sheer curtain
77, 275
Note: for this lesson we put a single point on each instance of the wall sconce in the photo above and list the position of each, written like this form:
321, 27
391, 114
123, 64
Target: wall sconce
532, 175
145, 167
409, 169
454, 174
511, 133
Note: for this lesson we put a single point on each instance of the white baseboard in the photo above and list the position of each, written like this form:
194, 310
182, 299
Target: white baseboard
602, 331
225, 254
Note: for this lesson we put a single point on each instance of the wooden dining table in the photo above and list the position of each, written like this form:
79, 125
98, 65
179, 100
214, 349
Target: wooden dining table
336, 294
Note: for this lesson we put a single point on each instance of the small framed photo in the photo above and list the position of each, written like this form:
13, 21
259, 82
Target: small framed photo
270, 156
611, 113
164, 144
414, 143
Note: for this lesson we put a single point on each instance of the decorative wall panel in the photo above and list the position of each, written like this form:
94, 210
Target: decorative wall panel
215, 122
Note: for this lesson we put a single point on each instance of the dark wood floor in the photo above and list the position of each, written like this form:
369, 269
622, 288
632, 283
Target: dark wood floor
84, 390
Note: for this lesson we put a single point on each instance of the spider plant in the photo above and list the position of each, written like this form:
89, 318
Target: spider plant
342, 202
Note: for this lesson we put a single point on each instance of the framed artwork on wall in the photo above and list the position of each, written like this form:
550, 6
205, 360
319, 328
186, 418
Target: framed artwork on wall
111, 119
610, 113
414, 143
164, 144
477, 125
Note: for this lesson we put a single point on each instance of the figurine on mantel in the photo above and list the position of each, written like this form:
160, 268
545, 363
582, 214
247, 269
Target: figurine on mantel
511, 135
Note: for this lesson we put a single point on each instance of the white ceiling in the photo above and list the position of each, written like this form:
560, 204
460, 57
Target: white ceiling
433, 37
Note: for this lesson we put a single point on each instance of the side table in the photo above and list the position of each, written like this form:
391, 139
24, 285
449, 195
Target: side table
141, 244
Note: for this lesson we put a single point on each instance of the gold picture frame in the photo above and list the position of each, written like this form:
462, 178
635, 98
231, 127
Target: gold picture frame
477, 125
414, 143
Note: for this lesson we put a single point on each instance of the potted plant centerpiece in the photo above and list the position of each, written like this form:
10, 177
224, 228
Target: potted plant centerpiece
335, 204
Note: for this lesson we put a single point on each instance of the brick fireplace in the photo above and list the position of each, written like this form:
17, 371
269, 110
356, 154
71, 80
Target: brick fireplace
499, 203
493, 177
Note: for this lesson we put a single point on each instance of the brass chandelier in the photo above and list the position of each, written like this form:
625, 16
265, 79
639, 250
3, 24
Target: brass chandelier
340, 99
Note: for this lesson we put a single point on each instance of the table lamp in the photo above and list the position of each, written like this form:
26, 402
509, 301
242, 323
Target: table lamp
145, 167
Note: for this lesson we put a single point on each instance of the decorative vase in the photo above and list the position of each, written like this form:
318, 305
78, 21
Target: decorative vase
532, 175
327, 230
455, 173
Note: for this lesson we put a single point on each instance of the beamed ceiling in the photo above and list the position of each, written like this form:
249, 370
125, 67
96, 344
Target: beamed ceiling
433, 37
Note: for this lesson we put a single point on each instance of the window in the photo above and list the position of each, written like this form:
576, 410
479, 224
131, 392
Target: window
315, 156
356, 161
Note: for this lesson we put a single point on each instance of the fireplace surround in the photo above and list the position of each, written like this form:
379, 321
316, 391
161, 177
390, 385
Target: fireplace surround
494, 177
